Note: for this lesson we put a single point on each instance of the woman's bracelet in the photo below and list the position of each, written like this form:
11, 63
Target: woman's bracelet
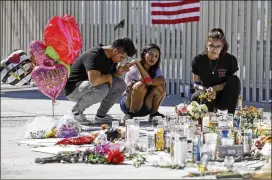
147, 80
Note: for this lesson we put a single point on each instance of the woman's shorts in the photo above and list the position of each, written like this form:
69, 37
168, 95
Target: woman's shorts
144, 111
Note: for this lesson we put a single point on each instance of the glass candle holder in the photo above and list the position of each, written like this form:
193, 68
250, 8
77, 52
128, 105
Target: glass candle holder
229, 162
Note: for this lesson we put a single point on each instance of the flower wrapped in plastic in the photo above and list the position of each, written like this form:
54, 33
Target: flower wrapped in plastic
181, 109
250, 113
115, 157
196, 111
206, 96
102, 154
67, 131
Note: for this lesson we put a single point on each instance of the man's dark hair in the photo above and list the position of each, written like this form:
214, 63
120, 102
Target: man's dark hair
125, 45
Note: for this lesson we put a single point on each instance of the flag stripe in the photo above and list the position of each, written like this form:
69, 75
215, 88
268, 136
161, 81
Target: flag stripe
179, 16
177, 8
172, 4
175, 21
164, 13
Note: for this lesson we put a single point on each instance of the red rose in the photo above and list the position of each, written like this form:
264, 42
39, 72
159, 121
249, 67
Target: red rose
115, 157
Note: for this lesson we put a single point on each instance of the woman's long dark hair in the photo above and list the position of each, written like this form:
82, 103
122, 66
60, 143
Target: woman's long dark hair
152, 69
217, 33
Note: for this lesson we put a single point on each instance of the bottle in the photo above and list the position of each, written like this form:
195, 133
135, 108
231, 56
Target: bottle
196, 148
172, 150
167, 140
159, 139
150, 141
236, 138
190, 150
247, 140
166, 137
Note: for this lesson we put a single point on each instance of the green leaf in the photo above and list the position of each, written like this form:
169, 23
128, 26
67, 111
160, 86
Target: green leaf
67, 67
90, 157
50, 51
101, 159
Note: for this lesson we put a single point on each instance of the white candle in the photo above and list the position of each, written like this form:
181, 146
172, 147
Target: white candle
133, 133
176, 150
205, 121
135, 130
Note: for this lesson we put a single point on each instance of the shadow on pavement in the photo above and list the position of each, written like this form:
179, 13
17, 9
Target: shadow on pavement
28, 94
170, 100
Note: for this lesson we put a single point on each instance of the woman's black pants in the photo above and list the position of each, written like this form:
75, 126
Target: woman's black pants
226, 99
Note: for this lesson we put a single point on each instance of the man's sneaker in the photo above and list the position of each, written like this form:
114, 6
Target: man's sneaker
81, 118
155, 114
107, 118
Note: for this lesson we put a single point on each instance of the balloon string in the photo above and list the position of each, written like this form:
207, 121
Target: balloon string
53, 108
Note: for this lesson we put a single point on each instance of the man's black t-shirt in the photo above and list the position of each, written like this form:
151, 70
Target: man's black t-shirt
93, 59
204, 67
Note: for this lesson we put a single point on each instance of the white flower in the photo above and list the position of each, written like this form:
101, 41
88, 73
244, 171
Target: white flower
189, 108
204, 108
194, 109
196, 115
194, 103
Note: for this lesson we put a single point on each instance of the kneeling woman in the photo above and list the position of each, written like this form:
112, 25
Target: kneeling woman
145, 85
214, 71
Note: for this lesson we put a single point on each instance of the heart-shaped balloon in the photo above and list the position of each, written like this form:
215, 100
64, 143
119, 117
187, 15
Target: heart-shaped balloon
15, 59
37, 51
50, 80
63, 34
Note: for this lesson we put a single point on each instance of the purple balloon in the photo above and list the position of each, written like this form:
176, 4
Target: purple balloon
50, 80
36, 50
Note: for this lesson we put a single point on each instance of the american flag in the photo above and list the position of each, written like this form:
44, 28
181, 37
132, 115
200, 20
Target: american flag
175, 12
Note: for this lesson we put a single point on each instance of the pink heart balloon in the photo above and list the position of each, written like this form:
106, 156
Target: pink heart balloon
50, 80
36, 50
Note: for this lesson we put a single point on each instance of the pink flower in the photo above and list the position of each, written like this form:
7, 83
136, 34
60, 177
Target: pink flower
184, 110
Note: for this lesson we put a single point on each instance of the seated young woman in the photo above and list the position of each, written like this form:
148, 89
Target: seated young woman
145, 85
214, 71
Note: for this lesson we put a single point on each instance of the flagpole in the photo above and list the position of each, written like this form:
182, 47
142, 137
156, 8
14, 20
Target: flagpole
127, 19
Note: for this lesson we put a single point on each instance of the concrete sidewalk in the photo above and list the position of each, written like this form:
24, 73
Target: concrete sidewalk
20, 105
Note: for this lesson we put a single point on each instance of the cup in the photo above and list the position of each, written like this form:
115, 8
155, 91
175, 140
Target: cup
129, 125
182, 119
210, 138
211, 143
229, 162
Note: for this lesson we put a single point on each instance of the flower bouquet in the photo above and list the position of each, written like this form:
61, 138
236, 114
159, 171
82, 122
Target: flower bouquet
206, 96
103, 154
196, 111
181, 109
193, 110
249, 113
